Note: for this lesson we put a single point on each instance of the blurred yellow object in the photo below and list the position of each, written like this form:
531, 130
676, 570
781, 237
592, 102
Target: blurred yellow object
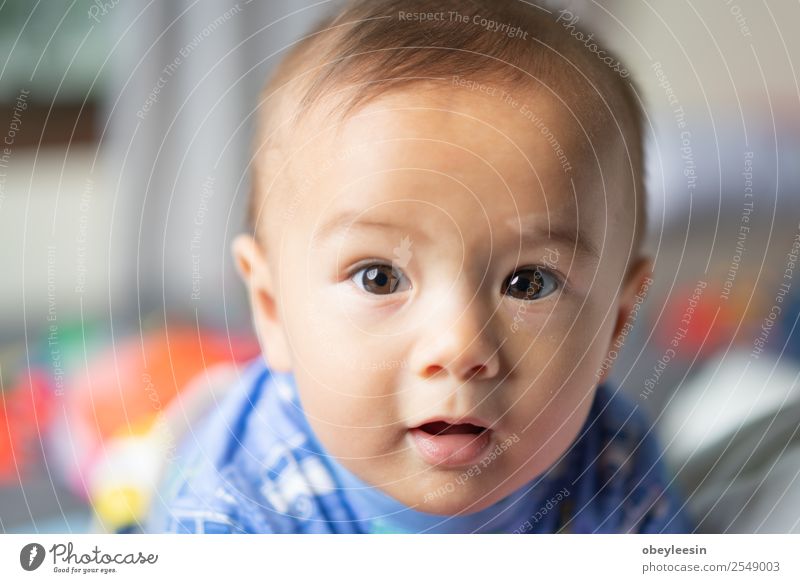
120, 507
122, 481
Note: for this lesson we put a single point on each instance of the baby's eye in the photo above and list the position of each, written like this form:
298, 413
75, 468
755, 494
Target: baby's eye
380, 279
530, 283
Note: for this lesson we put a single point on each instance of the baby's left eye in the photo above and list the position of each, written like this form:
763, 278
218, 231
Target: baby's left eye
530, 283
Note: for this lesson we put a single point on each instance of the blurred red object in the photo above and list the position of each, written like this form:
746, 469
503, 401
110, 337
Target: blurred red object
132, 382
25, 414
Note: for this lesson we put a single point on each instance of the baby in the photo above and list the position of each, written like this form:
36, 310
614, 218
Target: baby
447, 219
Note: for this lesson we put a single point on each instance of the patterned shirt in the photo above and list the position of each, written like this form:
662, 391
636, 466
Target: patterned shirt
255, 466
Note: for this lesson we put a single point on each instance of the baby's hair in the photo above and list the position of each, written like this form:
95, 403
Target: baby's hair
372, 47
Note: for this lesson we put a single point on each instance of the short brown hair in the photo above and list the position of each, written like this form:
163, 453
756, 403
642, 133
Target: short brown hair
373, 46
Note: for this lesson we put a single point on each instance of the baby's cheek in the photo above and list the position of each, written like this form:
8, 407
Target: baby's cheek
356, 443
556, 428
343, 345
558, 374
321, 339
552, 335
577, 335
341, 405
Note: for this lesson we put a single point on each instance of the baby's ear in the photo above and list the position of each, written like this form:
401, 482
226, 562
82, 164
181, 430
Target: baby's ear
255, 273
637, 284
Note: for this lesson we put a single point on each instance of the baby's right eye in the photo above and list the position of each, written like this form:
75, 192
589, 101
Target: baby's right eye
380, 279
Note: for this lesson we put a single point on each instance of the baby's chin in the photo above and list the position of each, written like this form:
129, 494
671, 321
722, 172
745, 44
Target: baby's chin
458, 505
451, 493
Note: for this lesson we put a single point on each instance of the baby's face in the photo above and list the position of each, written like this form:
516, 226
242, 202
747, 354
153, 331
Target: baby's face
444, 291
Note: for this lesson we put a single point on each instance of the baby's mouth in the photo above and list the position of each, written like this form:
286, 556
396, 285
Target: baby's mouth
446, 444
444, 428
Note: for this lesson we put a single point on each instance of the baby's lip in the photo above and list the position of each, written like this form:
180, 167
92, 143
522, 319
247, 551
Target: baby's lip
451, 443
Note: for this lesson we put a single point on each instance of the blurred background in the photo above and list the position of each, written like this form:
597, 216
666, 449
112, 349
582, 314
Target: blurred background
124, 145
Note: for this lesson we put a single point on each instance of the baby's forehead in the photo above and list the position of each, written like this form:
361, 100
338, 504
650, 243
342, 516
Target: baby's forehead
512, 120
489, 139
477, 160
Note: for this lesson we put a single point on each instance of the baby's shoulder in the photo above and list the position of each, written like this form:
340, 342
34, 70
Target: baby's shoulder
619, 438
213, 484
619, 469
618, 433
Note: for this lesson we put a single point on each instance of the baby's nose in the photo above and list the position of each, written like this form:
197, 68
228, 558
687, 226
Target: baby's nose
461, 345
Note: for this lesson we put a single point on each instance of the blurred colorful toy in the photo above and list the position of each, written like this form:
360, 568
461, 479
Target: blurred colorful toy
125, 476
122, 412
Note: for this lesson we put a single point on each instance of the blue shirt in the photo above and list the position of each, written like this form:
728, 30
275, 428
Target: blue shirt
255, 466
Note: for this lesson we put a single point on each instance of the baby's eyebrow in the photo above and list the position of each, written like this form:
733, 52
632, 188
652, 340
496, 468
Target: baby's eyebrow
574, 239
558, 229
354, 218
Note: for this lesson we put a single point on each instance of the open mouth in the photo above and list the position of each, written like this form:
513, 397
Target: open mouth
444, 428
451, 444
